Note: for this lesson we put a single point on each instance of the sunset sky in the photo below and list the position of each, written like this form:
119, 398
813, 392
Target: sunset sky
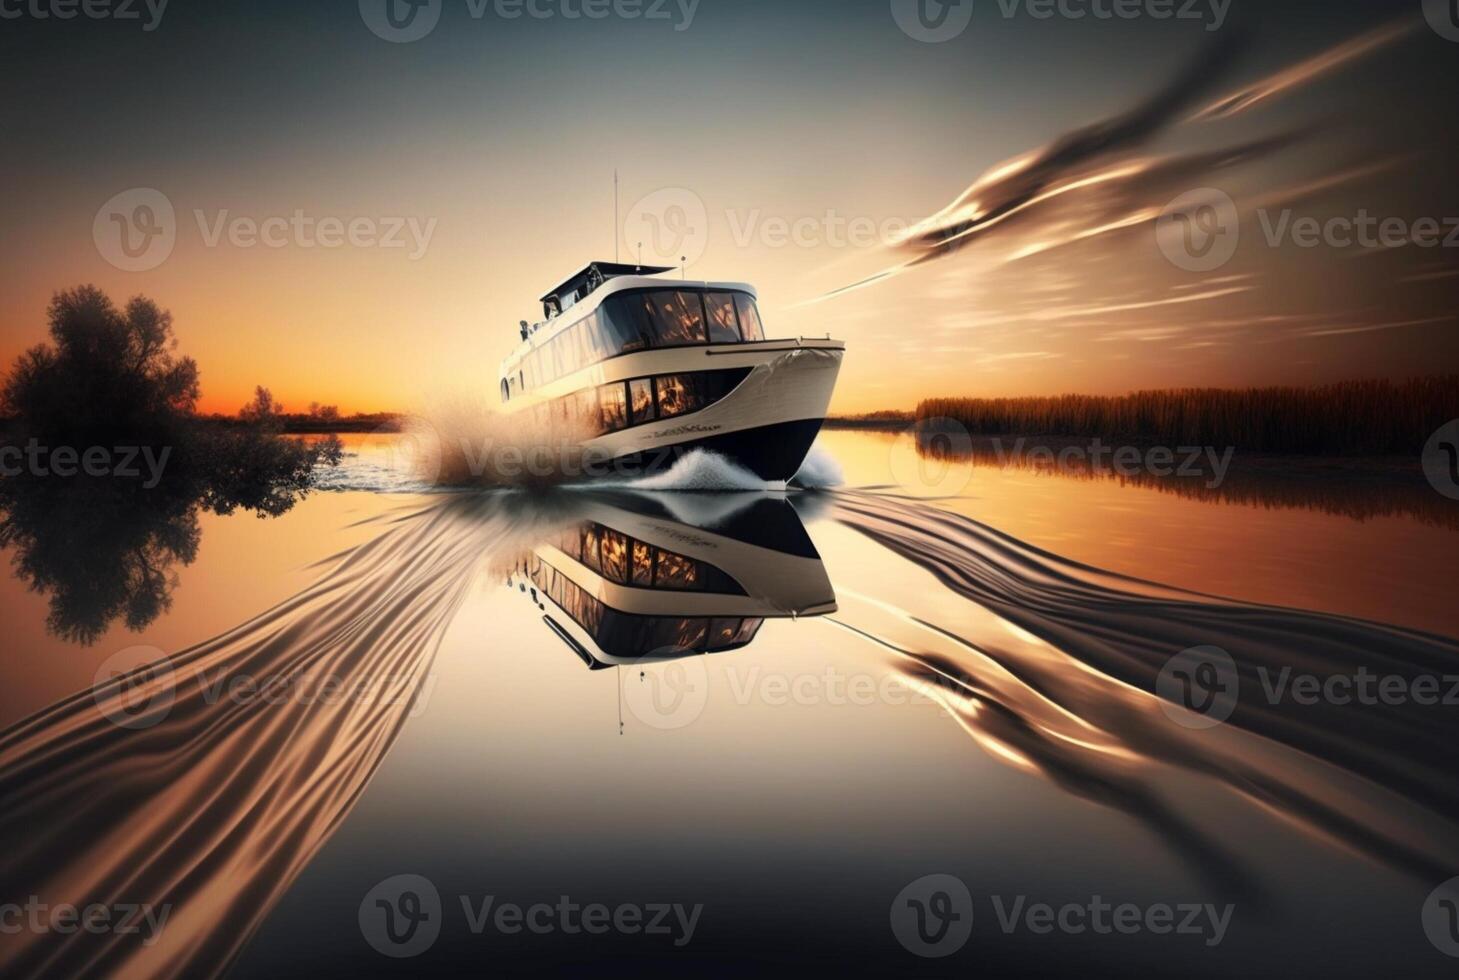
501, 136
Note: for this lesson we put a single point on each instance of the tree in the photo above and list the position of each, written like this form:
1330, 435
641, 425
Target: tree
262, 410
106, 372
103, 547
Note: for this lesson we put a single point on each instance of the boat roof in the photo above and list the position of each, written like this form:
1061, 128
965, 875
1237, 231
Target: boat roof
607, 270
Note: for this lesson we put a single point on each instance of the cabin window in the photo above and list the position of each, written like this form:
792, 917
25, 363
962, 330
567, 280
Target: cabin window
578, 354
572, 358
722, 326
593, 338
677, 395
587, 415
668, 636
582, 607
643, 565
561, 356
615, 556
613, 406
722, 633
641, 400
506, 391
625, 325
590, 547
582, 354
678, 318
630, 403
676, 572
750, 326
747, 631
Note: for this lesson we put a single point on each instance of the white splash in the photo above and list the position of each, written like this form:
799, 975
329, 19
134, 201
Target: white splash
820, 471
700, 470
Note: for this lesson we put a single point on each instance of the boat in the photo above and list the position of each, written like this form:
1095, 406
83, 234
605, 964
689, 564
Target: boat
630, 582
639, 369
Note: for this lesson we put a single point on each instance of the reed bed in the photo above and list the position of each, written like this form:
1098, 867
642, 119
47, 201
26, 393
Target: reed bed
1351, 418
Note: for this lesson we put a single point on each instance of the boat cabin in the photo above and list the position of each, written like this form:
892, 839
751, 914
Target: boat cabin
620, 311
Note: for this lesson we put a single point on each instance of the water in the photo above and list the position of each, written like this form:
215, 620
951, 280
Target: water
978, 698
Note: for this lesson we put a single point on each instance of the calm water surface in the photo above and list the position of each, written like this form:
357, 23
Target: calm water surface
932, 669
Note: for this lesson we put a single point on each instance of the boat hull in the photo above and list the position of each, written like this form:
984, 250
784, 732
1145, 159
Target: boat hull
772, 452
766, 424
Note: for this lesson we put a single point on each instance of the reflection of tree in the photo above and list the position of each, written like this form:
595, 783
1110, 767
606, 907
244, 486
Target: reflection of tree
101, 555
103, 547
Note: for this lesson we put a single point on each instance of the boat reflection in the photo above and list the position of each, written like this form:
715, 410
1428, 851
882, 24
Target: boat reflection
632, 583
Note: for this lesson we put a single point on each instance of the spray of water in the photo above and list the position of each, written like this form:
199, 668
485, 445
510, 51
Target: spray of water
477, 446
465, 445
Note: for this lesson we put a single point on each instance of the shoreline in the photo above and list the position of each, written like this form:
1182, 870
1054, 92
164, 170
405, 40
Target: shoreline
1013, 449
1014, 446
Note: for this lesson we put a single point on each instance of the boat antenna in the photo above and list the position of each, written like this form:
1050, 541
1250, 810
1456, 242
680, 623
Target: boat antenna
640, 257
617, 235
683, 268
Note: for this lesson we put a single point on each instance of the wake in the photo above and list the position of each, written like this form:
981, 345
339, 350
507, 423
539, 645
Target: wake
213, 807
153, 789
1052, 667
